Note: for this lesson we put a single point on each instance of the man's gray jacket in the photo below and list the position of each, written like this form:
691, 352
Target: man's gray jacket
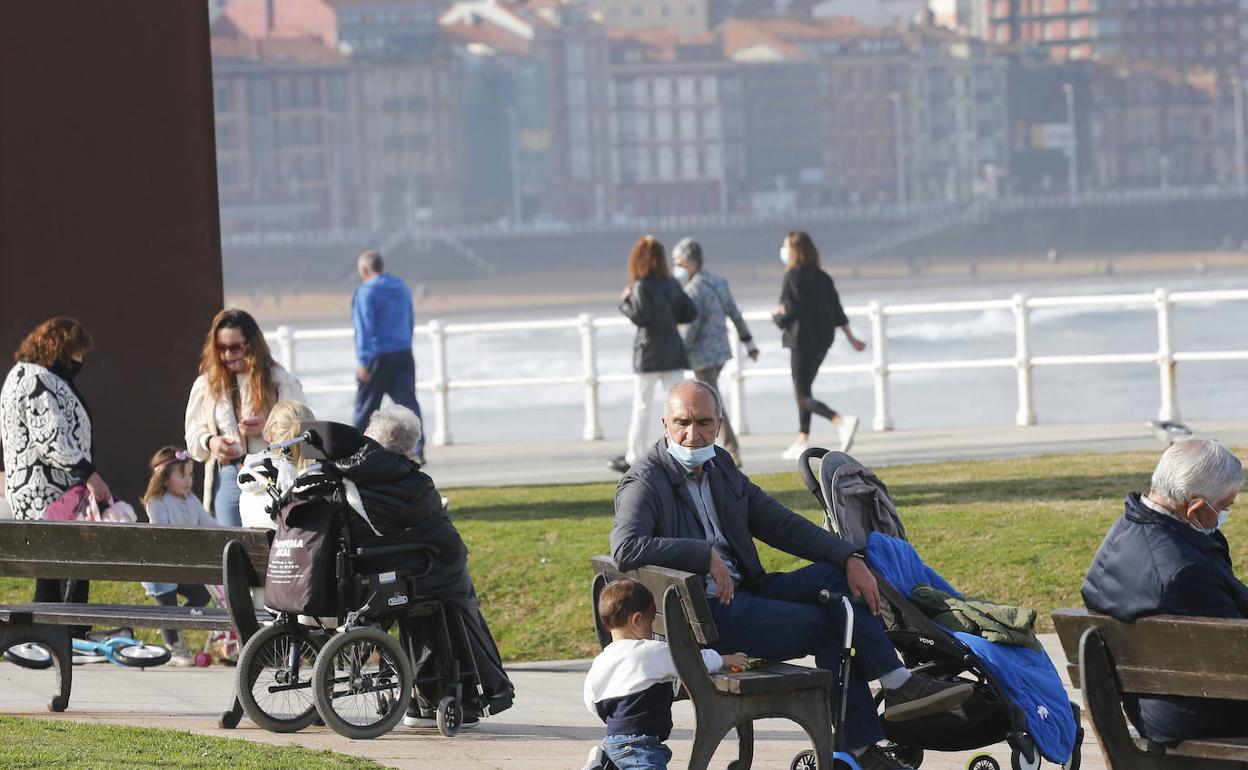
657, 524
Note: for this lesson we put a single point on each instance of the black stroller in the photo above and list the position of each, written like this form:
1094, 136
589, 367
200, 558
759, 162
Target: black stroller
855, 504
353, 672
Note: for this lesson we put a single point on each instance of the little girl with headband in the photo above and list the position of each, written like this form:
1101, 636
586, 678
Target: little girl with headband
170, 501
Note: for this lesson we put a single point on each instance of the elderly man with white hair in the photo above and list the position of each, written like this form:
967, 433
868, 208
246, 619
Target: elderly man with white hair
1166, 555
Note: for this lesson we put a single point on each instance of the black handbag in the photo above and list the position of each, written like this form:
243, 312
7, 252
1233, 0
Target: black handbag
301, 576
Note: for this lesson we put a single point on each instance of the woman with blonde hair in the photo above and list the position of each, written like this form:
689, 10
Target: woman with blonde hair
238, 385
655, 302
262, 469
809, 314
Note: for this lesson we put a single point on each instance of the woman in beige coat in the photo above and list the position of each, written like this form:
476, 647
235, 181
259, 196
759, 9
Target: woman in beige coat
238, 384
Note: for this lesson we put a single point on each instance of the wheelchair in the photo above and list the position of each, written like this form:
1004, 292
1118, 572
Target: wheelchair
356, 673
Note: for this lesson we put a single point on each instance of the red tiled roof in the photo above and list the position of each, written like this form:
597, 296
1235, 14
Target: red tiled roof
785, 35
492, 35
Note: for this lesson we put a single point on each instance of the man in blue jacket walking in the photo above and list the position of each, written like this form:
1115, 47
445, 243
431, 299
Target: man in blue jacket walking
381, 314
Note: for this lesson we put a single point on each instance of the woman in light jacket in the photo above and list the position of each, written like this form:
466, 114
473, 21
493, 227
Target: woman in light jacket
238, 384
655, 302
45, 427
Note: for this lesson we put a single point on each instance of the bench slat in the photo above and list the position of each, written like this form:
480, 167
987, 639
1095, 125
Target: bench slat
1166, 655
155, 616
1235, 749
772, 677
125, 552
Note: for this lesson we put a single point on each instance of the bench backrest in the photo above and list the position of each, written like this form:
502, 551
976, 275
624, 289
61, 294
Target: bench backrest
100, 551
658, 579
1165, 654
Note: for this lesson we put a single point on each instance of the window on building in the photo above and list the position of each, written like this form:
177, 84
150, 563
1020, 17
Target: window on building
687, 89
713, 161
688, 123
710, 123
666, 162
663, 125
663, 91
710, 88
689, 161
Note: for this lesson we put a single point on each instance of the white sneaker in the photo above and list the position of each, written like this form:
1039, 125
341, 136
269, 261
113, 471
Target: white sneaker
848, 428
795, 450
181, 661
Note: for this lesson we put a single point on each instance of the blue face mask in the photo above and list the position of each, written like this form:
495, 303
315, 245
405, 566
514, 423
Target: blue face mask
1222, 519
690, 458
680, 273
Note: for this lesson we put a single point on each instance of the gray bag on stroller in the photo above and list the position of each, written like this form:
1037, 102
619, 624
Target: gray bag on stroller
855, 501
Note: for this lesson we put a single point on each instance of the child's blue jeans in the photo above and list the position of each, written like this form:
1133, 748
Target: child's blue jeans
637, 752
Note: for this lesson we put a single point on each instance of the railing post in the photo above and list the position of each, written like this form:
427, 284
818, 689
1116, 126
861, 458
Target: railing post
1022, 362
441, 410
879, 355
589, 370
286, 347
1165, 357
736, 385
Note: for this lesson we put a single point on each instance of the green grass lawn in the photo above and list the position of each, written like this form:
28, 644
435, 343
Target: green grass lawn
1017, 531
41, 743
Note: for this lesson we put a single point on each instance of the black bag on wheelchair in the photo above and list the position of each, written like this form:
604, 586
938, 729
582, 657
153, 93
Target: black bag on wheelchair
301, 574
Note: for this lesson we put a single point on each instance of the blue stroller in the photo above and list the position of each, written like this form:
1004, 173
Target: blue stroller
1018, 696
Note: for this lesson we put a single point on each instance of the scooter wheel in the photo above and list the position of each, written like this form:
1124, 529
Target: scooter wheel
983, 762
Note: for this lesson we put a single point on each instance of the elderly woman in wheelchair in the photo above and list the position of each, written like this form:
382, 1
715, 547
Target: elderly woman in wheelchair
363, 536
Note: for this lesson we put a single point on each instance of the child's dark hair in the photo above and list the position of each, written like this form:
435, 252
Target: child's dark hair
619, 600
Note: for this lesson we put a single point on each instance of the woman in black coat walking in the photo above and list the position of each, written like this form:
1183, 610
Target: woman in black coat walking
809, 313
655, 302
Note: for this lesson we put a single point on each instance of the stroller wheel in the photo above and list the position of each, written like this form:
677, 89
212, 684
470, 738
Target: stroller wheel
803, 761
1020, 761
450, 716
983, 762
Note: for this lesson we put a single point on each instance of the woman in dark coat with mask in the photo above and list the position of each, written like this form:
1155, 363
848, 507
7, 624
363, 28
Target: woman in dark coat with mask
46, 432
655, 302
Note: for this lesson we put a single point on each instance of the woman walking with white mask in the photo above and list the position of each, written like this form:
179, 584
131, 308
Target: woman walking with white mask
809, 314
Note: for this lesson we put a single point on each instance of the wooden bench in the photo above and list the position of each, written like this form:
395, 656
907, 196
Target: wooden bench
1161, 655
725, 700
126, 552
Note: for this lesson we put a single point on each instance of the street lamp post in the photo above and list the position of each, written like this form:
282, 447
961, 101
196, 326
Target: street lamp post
1072, 147
513, 143
898, 148
1237, 94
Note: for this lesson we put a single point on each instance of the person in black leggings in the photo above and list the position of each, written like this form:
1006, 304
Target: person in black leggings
809, 314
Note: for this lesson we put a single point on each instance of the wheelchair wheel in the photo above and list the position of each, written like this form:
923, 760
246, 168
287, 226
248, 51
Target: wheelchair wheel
362, 682
450, 715
274, 678
142, 655
29, 655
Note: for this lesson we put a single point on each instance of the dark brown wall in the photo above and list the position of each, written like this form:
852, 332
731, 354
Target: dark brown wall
108, 205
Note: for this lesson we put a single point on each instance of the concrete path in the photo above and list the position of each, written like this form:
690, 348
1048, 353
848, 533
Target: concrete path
548, 728
551, 462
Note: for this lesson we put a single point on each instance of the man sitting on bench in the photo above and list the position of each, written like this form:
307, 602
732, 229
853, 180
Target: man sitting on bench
686, 506
1166, 556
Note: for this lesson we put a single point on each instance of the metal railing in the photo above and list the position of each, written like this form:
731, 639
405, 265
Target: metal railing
881, 368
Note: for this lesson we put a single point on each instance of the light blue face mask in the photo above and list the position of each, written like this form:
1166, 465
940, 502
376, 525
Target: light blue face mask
680, 273
784, 254
1222, 519
690, 458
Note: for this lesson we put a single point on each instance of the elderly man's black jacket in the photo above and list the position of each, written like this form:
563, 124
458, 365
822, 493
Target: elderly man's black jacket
657, 524
1154, 564
1151, 563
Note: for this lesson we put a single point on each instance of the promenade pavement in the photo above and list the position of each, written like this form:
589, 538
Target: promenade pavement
560, 462
547, 729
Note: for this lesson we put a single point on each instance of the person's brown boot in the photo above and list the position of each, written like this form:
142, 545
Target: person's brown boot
922, 695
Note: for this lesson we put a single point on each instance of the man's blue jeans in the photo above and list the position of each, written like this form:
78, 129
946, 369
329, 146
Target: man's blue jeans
780, 619
637, 752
